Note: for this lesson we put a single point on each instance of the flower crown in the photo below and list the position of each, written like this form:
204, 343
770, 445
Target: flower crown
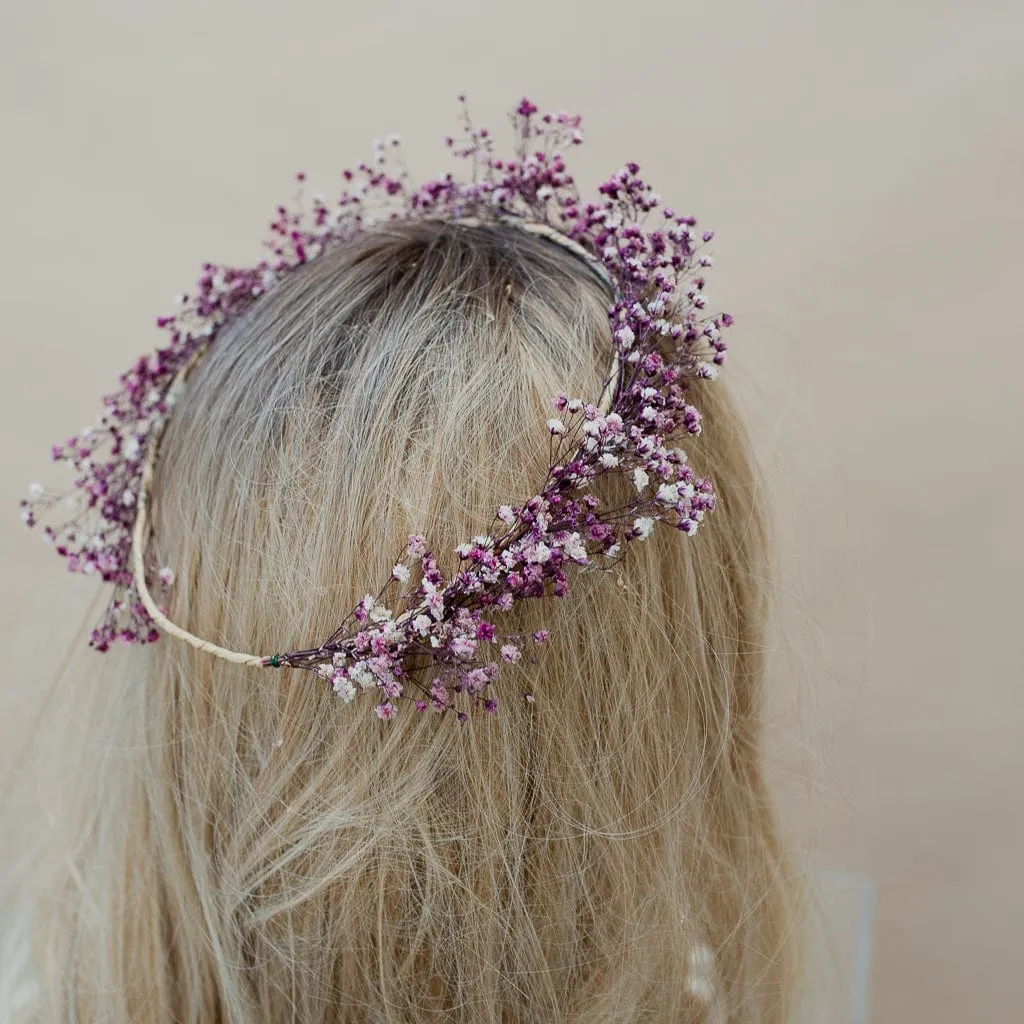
427, 637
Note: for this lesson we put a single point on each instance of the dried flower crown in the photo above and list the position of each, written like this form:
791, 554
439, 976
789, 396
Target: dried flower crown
424, 636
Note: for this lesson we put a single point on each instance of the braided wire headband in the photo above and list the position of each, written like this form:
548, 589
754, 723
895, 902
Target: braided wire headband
435, 642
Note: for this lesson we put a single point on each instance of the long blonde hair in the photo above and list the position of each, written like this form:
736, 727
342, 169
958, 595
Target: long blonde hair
250, 849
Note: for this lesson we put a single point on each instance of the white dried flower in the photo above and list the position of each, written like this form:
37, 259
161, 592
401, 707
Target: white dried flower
359, 673
540, 553
575, 548
644, 527
343, 687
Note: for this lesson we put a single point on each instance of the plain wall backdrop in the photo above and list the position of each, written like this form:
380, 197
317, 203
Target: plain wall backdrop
862, 165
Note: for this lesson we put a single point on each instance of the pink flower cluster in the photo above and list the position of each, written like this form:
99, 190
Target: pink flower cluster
426, 637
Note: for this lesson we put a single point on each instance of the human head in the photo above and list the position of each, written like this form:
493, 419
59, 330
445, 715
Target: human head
262, 852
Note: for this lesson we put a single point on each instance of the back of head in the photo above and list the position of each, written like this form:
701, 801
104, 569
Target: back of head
262, 851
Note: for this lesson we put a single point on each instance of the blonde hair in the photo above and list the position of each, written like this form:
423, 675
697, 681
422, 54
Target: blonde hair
252, 849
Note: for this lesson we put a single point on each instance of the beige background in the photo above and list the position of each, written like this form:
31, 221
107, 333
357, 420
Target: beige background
862, 164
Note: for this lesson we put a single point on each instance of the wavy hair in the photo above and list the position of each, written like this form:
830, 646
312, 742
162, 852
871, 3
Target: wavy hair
246, 848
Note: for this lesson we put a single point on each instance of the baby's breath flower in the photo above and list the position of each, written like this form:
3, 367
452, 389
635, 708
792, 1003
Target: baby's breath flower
342, 686
463, 647
575, 549
668, 494
538, 553
643, 526
360, 674
435, 604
